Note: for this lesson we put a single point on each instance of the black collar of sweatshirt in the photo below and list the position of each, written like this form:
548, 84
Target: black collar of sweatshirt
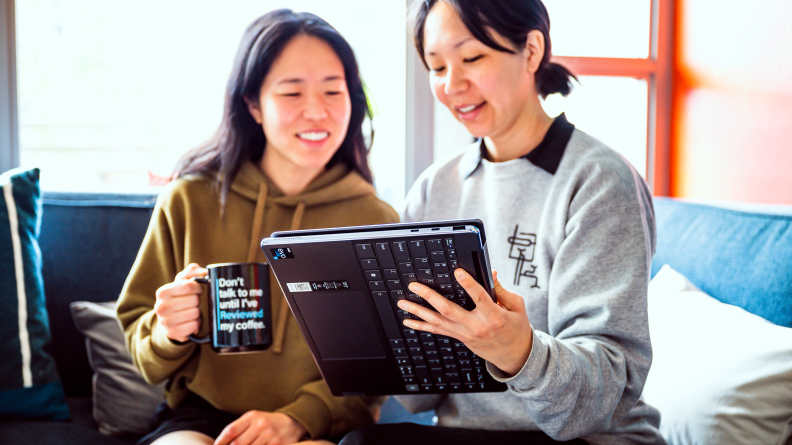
547, 155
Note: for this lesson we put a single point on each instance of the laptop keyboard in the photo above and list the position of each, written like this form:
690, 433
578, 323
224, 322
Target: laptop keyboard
427, 362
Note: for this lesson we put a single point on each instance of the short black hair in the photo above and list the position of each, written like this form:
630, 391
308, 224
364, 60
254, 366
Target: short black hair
513, 19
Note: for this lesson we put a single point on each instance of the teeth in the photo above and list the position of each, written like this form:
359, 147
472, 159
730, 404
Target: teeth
313, 135
467, 109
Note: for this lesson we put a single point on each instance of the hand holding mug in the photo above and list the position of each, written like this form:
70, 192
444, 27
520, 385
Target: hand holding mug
177, 304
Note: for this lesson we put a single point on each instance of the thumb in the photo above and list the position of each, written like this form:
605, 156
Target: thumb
505, 298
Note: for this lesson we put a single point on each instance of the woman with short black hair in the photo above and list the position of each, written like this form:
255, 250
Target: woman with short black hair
570, 228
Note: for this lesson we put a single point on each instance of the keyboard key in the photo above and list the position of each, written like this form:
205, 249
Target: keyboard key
410, 333
453, 378
434, 244
465, 365
402, 361
468, 377
409, 379
413, 342
414, 298
391, 274
438, 376
440, 267
445, 288
397, 295
373, 275
424, 274
455, 387
452, 254
426, 336
408, 278
407, 266
437, 256
416, 351
377, 285
418, 360
369, 264
422, 263
434, 363
470, 386
422, 373
430, 346
449, 243
445, 351
394, 284
463, 355
365, 251
453, 264
396, 343
429, 282
400, 251
412, 388
400, 353
418, 248
441, 387
384, 256
442, 278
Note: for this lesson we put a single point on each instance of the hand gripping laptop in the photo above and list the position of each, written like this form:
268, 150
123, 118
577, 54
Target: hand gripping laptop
342, 285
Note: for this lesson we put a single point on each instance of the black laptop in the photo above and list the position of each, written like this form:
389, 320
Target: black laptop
342, 285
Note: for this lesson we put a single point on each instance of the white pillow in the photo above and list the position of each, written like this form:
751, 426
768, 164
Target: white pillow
720, 375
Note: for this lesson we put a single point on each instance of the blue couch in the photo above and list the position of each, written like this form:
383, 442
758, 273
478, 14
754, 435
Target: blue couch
89, 242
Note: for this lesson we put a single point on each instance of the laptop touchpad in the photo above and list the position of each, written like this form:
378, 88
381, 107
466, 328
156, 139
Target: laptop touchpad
341, 324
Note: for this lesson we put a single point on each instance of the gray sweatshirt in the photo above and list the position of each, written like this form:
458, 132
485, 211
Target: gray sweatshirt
570, 228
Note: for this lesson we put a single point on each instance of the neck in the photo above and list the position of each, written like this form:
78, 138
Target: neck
522, 136
287, 177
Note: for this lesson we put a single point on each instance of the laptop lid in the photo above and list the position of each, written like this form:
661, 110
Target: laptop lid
342, 285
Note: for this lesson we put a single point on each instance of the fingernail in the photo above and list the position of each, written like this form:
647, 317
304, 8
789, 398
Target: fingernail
459, 274
411, 287
409, 323
402, 305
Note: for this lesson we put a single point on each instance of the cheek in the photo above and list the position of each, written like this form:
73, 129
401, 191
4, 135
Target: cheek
278, 116
342, 113
438, 89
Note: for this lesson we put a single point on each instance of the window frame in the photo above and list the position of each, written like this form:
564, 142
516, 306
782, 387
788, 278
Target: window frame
656, 70
9, 129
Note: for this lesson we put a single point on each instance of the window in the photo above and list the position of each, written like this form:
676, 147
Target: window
620, 51
110, 92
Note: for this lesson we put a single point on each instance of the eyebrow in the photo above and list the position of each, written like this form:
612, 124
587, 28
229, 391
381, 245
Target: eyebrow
457, 45
300, 80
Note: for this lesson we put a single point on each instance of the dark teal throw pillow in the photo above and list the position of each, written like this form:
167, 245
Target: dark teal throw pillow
29, 385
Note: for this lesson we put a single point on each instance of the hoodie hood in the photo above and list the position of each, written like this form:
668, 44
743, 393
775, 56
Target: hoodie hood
335, 184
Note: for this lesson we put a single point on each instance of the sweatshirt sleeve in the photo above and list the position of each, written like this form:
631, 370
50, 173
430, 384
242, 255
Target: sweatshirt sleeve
153, 353
589, 370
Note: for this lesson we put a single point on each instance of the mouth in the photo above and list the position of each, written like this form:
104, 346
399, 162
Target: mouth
465, 109
313, 136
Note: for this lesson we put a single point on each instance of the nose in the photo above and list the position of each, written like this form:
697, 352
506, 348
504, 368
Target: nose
314, 107
455, 82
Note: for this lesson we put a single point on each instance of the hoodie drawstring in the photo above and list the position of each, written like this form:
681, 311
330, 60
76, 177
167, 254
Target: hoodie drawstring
258, 217
283, 316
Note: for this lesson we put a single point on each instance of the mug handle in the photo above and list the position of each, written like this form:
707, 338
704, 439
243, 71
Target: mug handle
205, 339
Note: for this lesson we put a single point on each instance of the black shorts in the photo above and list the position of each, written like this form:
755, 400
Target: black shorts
194, 414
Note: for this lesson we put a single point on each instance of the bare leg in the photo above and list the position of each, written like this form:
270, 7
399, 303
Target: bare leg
184, 438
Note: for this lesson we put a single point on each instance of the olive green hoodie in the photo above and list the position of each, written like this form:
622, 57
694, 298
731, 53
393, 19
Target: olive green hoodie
186, 227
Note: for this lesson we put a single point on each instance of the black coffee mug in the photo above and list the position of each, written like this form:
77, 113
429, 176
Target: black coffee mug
239, 304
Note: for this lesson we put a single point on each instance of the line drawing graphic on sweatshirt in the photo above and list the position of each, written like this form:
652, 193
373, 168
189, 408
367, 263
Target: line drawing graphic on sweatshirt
522, 249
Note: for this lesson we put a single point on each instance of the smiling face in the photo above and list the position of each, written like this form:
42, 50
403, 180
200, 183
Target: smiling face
304, 108
485, 89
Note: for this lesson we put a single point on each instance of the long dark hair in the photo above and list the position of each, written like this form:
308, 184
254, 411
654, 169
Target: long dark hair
239, 137
513, 19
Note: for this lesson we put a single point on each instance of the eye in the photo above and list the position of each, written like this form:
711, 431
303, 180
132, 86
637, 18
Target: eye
438, 70
291, 94
473, 59
333, 93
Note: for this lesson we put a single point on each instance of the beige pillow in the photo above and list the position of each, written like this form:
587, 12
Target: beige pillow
720, 375
123, 402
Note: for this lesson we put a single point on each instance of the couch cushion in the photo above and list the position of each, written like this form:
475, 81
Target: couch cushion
88, 242
29, 386
739, 257
720, 375
123, 402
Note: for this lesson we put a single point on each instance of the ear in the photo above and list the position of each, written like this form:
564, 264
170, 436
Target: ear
255, 110
534, 49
